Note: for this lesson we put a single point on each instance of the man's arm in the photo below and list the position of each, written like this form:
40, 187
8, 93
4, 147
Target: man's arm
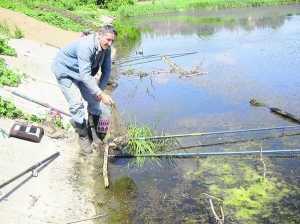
85, 54
105, 70
105, 74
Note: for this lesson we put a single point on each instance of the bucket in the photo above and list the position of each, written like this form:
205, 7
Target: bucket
103, 123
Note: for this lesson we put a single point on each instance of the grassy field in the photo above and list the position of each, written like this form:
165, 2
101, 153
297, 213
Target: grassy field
154, 6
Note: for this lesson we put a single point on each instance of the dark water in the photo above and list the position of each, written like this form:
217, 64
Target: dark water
245, 54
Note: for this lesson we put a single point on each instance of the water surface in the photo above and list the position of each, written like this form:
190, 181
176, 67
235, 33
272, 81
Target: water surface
245, 54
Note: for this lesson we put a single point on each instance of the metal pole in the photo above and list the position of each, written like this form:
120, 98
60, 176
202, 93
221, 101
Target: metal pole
213, 133
205, 154
38, 102
29, 169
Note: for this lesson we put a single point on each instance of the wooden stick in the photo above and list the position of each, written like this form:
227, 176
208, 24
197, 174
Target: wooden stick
105, 161
195, 74
194, 70
173, 65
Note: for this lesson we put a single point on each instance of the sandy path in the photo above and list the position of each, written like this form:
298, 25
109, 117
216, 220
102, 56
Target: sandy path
37, 31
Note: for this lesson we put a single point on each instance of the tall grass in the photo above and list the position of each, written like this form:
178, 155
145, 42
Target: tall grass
145, 9
150, 146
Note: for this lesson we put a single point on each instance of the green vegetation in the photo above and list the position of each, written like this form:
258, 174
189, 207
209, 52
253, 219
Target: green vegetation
72, 15
155, 7
7, 76
152, 146
5, 30
5, 49
146, 8
243, 188
256, 103
55, 13
9, 110
78, 15
113, 5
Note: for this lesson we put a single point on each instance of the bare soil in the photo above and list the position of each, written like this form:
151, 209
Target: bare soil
37, 31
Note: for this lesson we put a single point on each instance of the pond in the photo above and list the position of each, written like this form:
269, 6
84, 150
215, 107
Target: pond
228, 57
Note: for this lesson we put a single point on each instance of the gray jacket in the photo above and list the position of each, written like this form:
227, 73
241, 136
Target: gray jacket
75, 61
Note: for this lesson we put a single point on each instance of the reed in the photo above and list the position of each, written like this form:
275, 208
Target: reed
149, 146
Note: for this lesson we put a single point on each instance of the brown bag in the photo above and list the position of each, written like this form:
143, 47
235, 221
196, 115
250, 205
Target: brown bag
26, 132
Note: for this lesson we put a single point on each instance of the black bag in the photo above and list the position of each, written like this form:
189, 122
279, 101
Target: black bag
26, 132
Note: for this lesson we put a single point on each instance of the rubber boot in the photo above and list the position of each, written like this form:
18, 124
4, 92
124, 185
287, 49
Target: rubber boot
83, 139
92, 129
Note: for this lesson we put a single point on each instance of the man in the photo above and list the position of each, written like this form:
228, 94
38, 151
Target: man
75, 66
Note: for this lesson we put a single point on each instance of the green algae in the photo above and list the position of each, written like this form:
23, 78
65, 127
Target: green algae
243, 187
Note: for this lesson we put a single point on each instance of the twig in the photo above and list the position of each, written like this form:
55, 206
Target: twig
52, 45
194, 70
82, 220
34, 200
218, 219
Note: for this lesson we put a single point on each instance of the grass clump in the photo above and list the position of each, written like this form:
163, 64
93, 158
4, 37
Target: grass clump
5, 49
6, 31
256, 103
140, 146
136, 145
7, 76
9, 110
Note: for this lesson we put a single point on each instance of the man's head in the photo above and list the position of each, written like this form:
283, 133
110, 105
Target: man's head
107, 36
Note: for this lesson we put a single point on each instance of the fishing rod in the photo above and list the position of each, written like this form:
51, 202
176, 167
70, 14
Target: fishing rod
30, 169
206, 154
128, 59
214, 133
38, 102
229, 142
132, 58
146, 61
158, 56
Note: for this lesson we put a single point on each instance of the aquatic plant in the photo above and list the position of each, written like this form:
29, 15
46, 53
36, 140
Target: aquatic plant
244, 190
144, 146
256, 103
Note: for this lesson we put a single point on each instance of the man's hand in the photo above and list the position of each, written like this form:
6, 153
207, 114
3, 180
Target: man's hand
106, 99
